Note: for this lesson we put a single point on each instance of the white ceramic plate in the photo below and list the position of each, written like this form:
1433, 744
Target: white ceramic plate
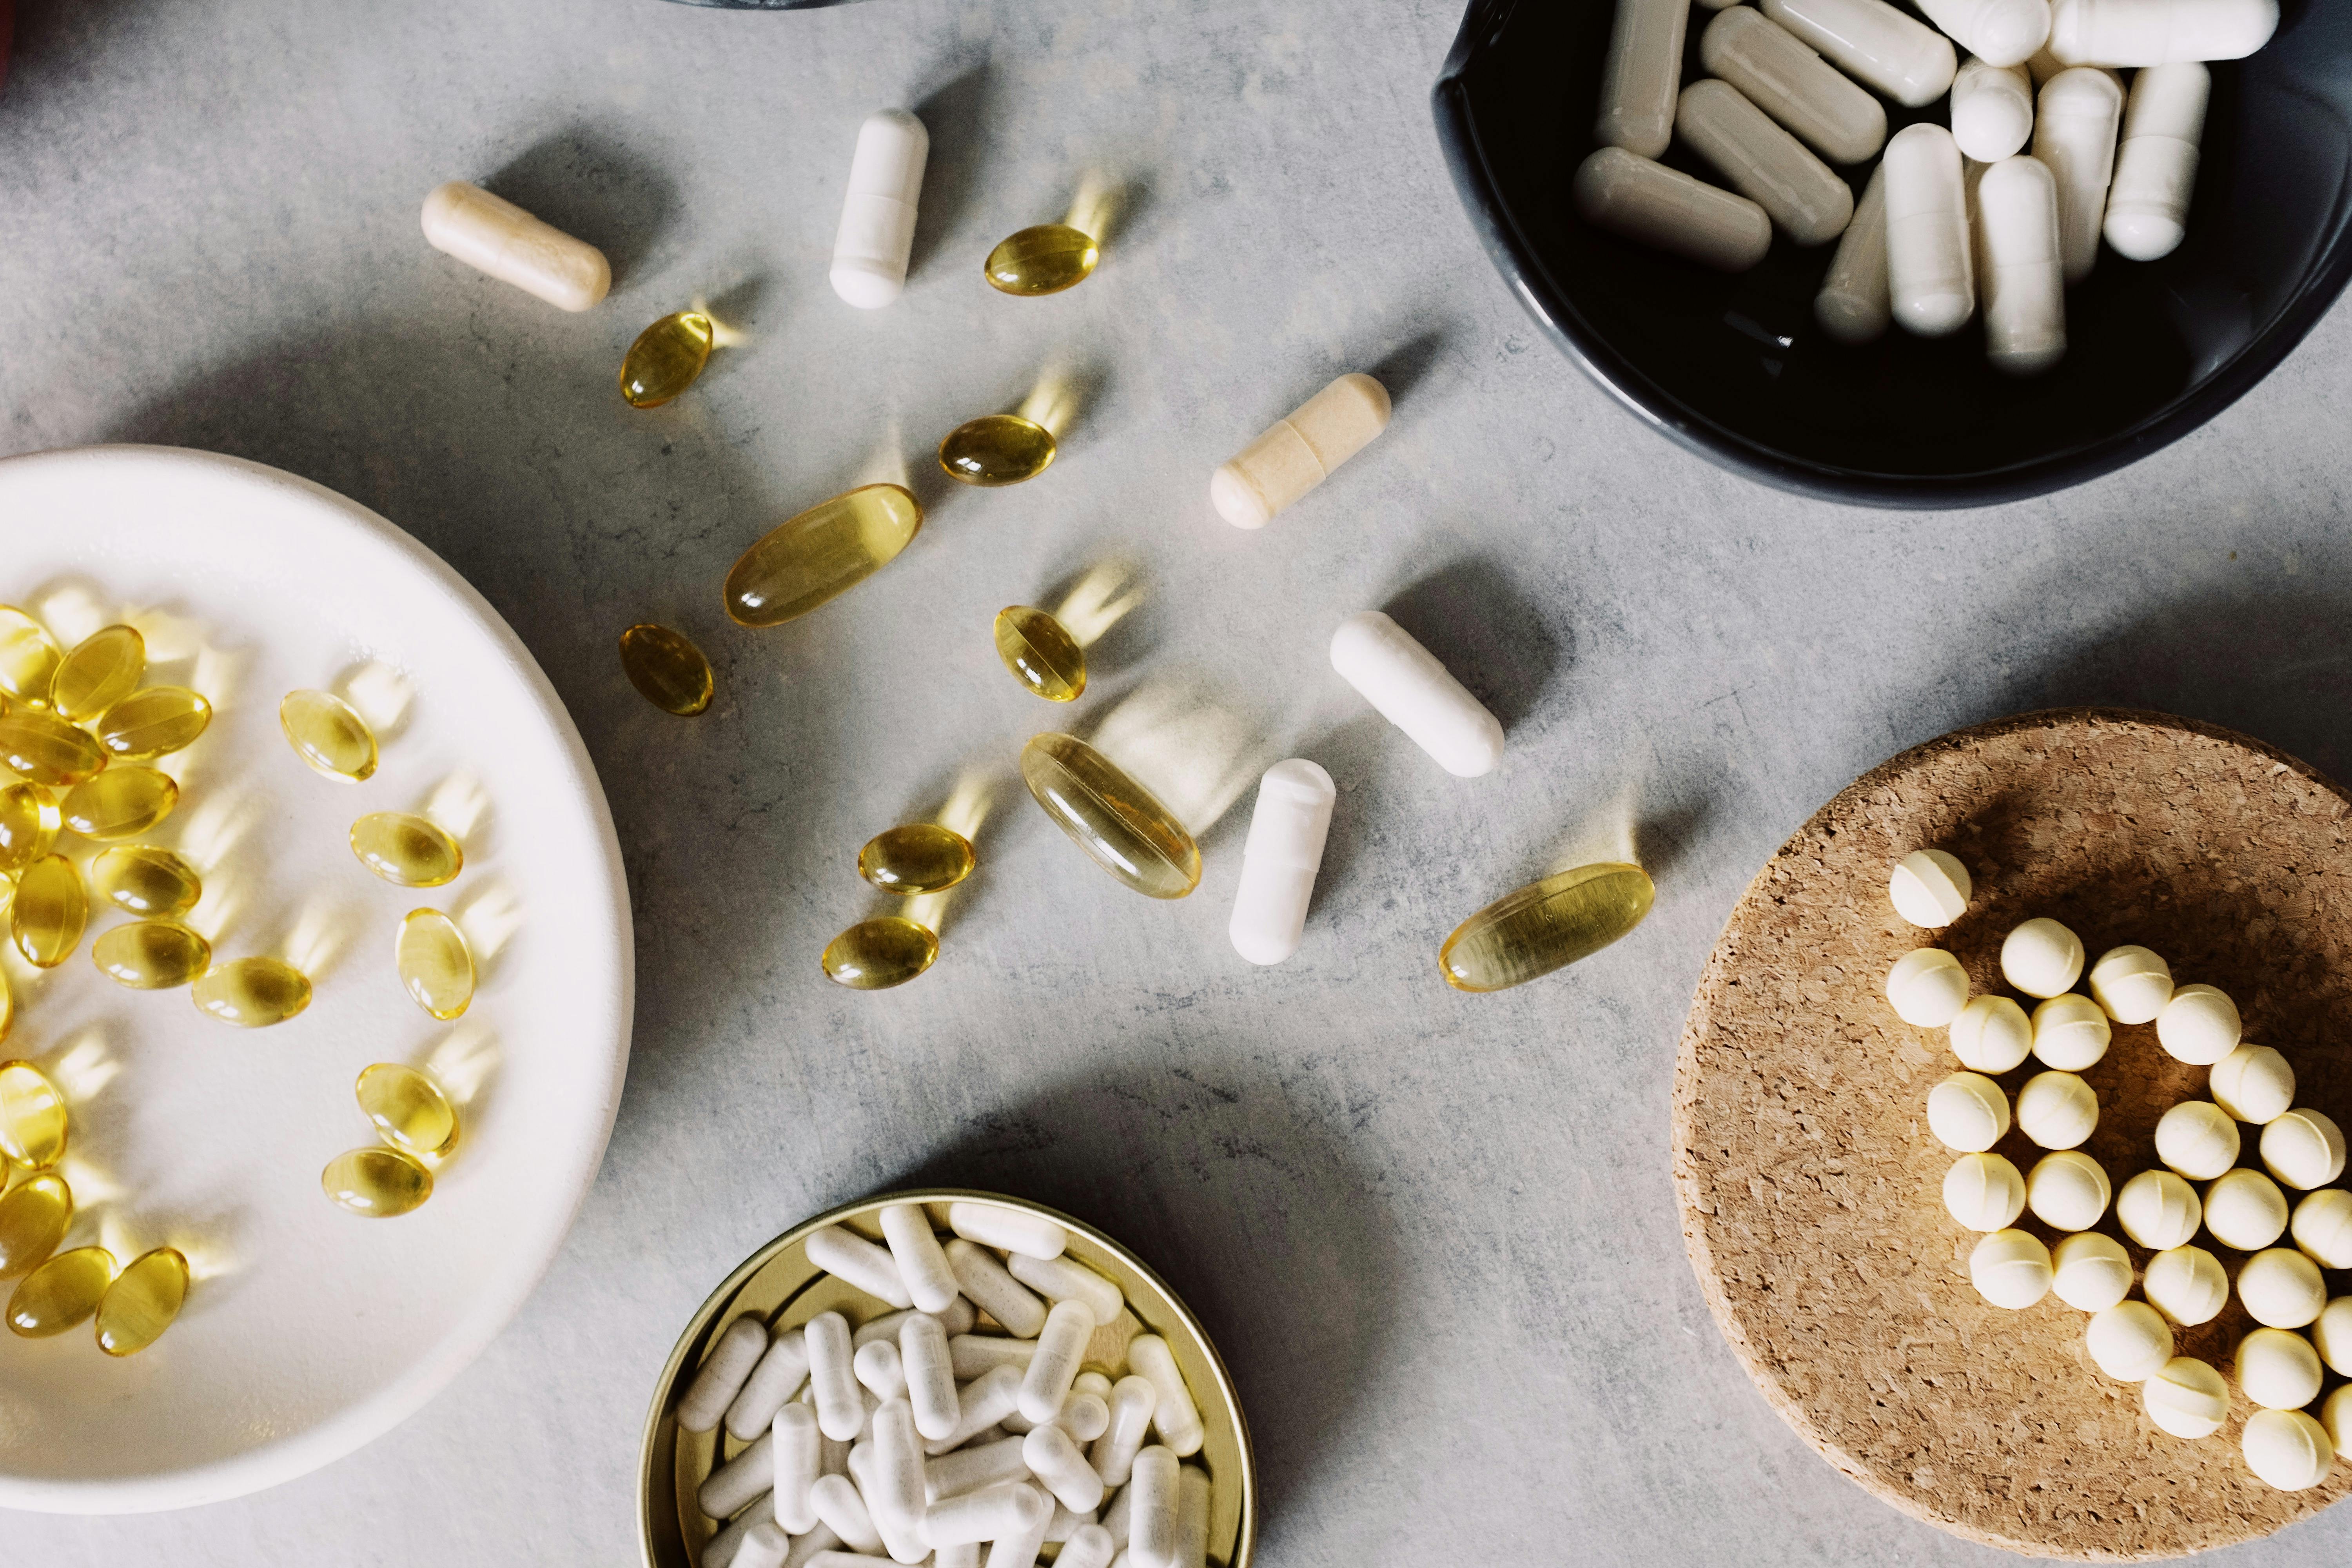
309, 1331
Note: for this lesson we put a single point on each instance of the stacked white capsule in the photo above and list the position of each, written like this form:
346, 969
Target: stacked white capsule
1006, 1399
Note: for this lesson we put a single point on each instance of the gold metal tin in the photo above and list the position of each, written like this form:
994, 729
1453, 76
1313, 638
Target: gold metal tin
779, 1285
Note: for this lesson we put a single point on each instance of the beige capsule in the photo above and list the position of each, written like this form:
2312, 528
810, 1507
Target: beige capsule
1777, 73
434, 964
1638, 199
1764, 163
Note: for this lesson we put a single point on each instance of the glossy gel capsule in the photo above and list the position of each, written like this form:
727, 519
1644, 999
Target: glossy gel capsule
143, 1301
918, 858
1635, 198
405, 849
1874, 43
46, 917
1280, 858
34, 1215
1546, 925
495, 236
1041, 653
434, 964
146, 880
252, 993
123, 801
2156, 164
1043, 259
328, 735
2023, 273
1853, 306
150, 724
666, 668
101, 670
407, 1108
2074, 136
1763, 163
46, 749
1776, 72
61, 1293
666, 358
876, 954
28, 658
997, 449
29, 820
1643, 73
1930, 284
829, 548
150, 955
1122, 826
376, 1183
878, 211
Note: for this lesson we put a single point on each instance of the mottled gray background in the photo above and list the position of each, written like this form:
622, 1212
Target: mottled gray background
1434, 1234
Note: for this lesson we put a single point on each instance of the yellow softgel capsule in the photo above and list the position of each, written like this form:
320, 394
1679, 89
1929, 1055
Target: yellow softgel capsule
143, 1301
153, 722
7, 1022
408, 1108
46, 749
60, 1293
146, 880
1041, 653
1045, 259
102, 669
119, 802
253, 993
666, 359
406, 850
28, 656
666, 668
1546, 925
151, 955
827, 550
997, 449
328, 733
34, 1217
50, 909
29, 820
32, 1116
380, 1184
876, 954
919, 857
1120, 825
434, 962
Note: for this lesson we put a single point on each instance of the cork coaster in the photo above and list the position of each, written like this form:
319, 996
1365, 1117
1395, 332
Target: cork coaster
1809, 1185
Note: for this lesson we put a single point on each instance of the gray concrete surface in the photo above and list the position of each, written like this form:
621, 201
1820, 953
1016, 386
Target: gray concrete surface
1434, 1234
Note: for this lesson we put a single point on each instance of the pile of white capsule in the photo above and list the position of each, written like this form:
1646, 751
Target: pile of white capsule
2243, 1209
1954, 217
913, 1440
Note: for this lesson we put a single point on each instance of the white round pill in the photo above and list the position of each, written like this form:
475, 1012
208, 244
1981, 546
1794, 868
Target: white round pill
2279, 1371
2287, 1448
1984, 1191
2130, 1341
2091, 1272
2336, 1418
2331, 1336
2041, 958
2200, 1026
1927, 987
1991, 1034
2245, 1209
2196, 1139
2067, 1190
2187, 1285
2187, 1398
2281, 1288
1967, 1111
2253, 1083
1928, 887
2057, 1109
2010, 1269
2070, 1032
2131, 983
2302, 1148
2159, 1210
2321, 1226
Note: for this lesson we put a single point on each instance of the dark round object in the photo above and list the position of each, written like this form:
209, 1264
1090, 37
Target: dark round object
1735, 368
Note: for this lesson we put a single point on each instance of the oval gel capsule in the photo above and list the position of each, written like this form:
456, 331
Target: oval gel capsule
877, 214
493, 235
1875, 44
1636, 199
2159, 32
1998, 32
1299, 450
1643, 74
1852, 304
1776, 72
1930, 289
2025, 283
1992, 111
1764, 163
1279, 860
1407, 686
2156, 165
2074, 135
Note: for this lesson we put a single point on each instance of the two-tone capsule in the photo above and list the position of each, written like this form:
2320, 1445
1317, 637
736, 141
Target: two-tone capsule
1041, 653
1045, 259
666, 668
997, 449
825, 551
876, 954
1122, 826
1545, 926
667, 359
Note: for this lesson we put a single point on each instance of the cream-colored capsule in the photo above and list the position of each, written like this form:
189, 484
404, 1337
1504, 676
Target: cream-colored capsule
2071, 1032
1635, 198
2003, 32
1874, 43
2281, 1288
1852, 307
2159, 32
2057, 1109
1643, 74
1764, 163
2074, 135
2067, 1190
2023, 274
2159, 1210
2245, 1209
1298, 451
2200, 1025
1775, 71
2156, 165
492, 235
2279, 1371
2304, 1149
1927, 988
1992, 111
1930, 277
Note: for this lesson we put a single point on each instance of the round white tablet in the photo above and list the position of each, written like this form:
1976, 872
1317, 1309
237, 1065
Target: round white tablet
2321, 1226
2131, 983
2057, 1109
2187, 1398
2130, 1341
2280, 1288
2245, 1209
2200, 1026
2253, 1083
2091, 1272
1928, 887
2067, 1190
2279, 1371
2197, 1138
1984, 1191
2187, 1285
1967, 1111
2159, 1210
2042, 957
2010, 1269
2332, 1335
2070, 1032
2302, 1148
1991, 1034
1927, 988
2287, 1448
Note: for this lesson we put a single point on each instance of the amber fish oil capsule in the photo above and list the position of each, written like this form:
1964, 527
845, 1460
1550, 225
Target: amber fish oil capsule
666, 668
253, 993
495, 236
34, 1217
1121, 826
61, 1293
326, 732
1041, 653
408, 1108
666, 359
825, 551
50, 909
46, 749
918, 858
876, 954
1045, 259
434, 964
150, 955
33, 1122
146, 880
29, 820
379, 1184
153, 722
29, 657
102, 669
143, 1301
1545, 926
997, 449
119, 802
405, 849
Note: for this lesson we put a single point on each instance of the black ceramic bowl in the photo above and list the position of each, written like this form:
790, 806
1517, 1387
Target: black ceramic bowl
1734, 368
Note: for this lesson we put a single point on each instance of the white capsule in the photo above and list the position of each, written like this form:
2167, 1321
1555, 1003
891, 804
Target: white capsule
1279, 860
994, 1290
1764, 163
2159, 1210
2196, 1139
1992, 111
2336, 1420
842, 1509
2187, 1398
897, 1500
2245, 1210
1020, 1548
833, 1559
798, 1451
922, 1267
1299, 451
1132, 1398
1191, 1517
1407, 686
1968, 1113
1983, 1192
2070, 1032
974, 1355
2323, 1228
2156, 164
981, 1403
832, 1377
1643, 72
1173, 1414
1637, 199
1089, 1546
2279, 1371
723, 1548
1775, 71
2130, 1341
2253, 1083
2287, 1450
985, 1513
957, 1320
1927, 988
973, 1468
1052, 1456
1930, 274
740, 1479
2159, 32
493, 235
2090, 1272
2187, 1285
1065, 1280
2067, 1190
2304, 1149
1874, 43
1851, 308
2023, 276
877, 212
1992, 1035
929, 1369
773, 1380
2002, 32
2074, 134
763, 1546
1152, 1511
1061, 1344
2281, 1288
724, 1370
1011, 1229
2042, 957
1115, 1518
859, 1262
1084, 1416
877, 1367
